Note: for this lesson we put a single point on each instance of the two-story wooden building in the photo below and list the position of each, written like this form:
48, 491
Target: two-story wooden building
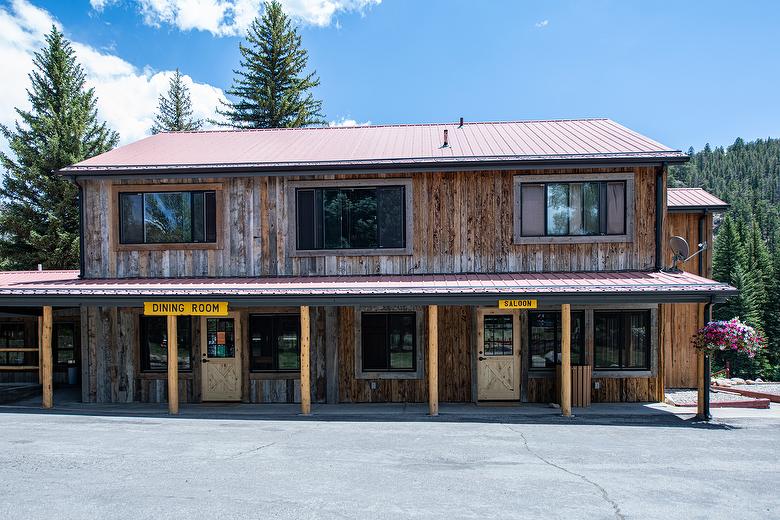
455, 262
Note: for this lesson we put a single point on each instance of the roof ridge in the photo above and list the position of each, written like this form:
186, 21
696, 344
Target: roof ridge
386, 125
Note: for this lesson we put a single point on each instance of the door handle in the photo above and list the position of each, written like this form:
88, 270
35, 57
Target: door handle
204, 360
481, 358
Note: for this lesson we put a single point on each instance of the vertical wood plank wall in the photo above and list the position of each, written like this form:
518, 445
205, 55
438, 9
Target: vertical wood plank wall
680, 321
462, 223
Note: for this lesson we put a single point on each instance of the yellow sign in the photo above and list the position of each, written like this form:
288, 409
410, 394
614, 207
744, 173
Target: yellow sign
185, 308
516, 304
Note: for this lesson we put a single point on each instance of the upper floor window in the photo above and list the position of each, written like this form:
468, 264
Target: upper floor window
344, 217
573, 209
167, 217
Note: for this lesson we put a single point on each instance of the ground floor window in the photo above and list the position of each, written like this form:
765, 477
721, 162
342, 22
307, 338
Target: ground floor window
65, 343
12, 335
544, 339
622, 340
275, 342
154, 343
389, 341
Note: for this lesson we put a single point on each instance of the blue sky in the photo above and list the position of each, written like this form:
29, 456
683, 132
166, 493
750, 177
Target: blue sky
684, 73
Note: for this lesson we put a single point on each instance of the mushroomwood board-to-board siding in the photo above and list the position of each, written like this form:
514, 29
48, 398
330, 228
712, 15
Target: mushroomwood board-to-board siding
462, 222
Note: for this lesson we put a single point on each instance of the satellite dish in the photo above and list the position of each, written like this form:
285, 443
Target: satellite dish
679, 247
680, 252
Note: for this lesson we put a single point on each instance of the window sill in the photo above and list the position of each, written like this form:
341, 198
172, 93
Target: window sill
389, 375
163, 375
265, 375
585, 239
169, 247
407, 251
621, 374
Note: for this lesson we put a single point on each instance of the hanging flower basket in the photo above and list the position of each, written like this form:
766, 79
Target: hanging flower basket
731, 335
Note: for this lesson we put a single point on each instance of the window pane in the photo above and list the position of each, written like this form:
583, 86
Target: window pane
210, 202
198, 217
220, 338
401, 334
334, 204
261, 342
575, 209
639, 340
154, 343
543, 338
374, 342
557, 209
608, 339
498, 335
616, 208
362, 218
167, 217
305, 219
532, 208
590, 208
131, 218
12, 335
65, 342
287, 331
391, 214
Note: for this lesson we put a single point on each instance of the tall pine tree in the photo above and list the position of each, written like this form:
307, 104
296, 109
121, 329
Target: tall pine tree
39, 223
174, 110
272, 89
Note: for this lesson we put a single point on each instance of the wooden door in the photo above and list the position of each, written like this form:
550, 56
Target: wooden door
498, 354
221, 358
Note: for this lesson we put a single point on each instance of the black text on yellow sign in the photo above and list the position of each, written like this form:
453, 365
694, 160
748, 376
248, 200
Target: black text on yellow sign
185, 308
516, 304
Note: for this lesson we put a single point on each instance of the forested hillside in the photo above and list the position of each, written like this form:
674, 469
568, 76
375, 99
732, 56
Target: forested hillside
747, 242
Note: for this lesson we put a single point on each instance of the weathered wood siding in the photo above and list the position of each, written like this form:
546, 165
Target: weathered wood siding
462, 223
681, 321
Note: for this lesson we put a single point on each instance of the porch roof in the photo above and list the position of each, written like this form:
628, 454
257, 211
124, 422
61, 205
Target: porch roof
34, 288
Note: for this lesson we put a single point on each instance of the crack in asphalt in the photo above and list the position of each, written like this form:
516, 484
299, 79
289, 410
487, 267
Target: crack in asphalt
604, 494
248, 452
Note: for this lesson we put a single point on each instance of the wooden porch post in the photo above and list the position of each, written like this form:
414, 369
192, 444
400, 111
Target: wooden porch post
173, 366
305, 361
46, 360
433, 360
566, 360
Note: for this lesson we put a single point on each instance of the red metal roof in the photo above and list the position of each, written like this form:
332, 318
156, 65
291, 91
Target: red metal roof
380, 146
51, 285
692, 198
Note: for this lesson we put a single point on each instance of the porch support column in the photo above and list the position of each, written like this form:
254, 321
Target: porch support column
173, 367
305, 361
433, 360
46, 360
566, 360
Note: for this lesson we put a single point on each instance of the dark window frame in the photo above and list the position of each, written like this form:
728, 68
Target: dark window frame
210, 229
27, 357
603, 207
319, 221
56, 346
275, 345
584, 361
625, 332
145, 360
388, 354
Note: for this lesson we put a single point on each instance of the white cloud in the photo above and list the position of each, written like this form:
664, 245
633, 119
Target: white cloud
233, 17
127, 96
348, 122
543, 23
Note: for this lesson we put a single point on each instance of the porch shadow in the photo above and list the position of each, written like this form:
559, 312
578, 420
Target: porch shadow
617, 414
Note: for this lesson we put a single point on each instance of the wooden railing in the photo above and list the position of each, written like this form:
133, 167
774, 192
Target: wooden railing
21, 367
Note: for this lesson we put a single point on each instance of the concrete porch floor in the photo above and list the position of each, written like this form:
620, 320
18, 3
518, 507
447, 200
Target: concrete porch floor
67, 402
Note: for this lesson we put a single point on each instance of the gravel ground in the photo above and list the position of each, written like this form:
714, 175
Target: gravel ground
690, 396
766, 388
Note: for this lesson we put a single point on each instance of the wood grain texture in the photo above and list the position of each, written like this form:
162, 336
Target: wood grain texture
462, 222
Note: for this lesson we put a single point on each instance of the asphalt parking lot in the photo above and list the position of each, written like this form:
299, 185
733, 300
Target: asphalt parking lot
82, 466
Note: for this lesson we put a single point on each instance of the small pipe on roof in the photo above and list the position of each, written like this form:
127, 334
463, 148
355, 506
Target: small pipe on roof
446, 140
461, 123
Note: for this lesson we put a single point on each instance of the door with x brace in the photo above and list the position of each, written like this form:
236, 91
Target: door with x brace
498, 355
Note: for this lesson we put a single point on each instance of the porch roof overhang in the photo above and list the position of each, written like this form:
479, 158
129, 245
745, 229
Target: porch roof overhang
60, 288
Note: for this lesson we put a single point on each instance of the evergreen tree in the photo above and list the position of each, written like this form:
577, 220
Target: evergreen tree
272, 89
727, 251
40, 218
174, 110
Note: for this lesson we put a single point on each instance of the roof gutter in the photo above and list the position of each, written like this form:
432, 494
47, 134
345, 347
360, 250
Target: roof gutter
660, 191
308, 169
